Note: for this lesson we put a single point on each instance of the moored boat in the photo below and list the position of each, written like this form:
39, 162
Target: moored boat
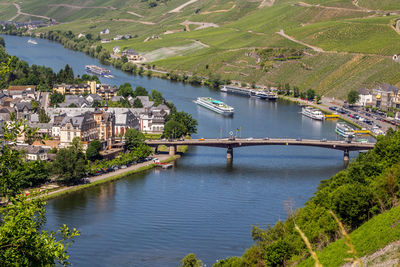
215, 105
312, 113
345, 130
272, 96
97, 70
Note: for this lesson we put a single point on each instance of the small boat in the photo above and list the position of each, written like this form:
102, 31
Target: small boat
262, 94
272, 96
345, 130
215, 105
31, 41
312, 113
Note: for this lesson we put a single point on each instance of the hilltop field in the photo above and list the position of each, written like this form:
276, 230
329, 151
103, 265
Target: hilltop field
339, 44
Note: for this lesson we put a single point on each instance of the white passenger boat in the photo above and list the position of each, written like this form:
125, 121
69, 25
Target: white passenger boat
312, 113
31, 41
262, 94
97, 70
344, 130
215, 105
272, 96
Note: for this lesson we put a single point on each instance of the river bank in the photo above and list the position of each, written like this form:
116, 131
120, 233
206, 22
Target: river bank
109, 177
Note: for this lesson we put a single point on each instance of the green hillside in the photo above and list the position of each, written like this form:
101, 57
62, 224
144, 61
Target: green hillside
368, 238
357, 38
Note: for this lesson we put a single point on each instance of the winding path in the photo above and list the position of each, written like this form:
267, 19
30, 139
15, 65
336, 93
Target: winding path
81, 7
179, 8
27, 14
335, 8
316, 49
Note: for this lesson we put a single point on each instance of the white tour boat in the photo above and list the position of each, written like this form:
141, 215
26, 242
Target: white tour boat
215, 105
312, 113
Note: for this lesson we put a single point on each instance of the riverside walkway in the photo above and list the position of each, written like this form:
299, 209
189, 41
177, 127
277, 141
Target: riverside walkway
231, 143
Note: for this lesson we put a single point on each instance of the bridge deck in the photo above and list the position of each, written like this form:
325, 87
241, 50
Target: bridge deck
241, 142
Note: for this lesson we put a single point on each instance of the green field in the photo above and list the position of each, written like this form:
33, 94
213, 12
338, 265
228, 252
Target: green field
358, 42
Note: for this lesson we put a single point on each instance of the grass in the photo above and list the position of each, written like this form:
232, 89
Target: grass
368, 238
381, 4
7, 11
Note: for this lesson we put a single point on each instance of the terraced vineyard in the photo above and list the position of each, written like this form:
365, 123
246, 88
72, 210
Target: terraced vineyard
347, 43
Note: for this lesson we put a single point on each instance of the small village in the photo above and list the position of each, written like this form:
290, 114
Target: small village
84, 113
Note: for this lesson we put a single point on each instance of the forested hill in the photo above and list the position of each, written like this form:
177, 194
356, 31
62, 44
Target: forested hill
332, 46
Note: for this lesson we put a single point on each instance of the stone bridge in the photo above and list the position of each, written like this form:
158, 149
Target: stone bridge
230, 144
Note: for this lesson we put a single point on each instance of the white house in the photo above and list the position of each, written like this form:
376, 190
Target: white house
105, 31
116, 49
365, 97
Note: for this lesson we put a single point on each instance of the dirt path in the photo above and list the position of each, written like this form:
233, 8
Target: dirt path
266, 3
334, 8
316, 49
137, 21
218, 11
110, 174
27, 14
179, 8
135, 14
385, 257
81, 7
202, 25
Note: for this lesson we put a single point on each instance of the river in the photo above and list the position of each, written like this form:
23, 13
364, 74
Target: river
203, 205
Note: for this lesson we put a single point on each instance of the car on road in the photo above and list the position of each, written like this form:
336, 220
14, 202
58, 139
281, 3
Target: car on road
202, 139
298, 139
249, 139
266, 138
324, 140
332, 108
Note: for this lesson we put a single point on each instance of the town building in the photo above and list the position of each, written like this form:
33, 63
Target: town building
103, 90
131, 54
105, 127
385, 96
365, 97
33, 153
83, 126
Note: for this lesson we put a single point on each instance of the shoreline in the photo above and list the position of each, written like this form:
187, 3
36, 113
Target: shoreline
109, 177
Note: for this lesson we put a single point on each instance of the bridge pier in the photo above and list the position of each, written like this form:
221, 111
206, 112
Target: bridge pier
229, 154
346, 157
172, 150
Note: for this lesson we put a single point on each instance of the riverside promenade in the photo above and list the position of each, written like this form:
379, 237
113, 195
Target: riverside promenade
114, 175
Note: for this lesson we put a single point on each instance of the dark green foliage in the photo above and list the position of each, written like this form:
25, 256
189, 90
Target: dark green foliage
56, 98
137, 103
191, 260
125, 90
186, 120
310, 94
174, 129
93, 150
70, 164
140, 91
133, 138
352, 97
2, 42
22, 240
277, 253
96, 104
157, 97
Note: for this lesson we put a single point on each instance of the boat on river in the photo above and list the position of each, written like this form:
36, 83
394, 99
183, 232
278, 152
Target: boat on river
238, 90
312, 113
215, 105
31, 41
97, 70
345, 130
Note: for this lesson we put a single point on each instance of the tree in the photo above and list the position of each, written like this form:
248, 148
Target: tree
310, 94
157, 97
191, 260
140, 91
56, 98
174, 129
96, 104
353, 97
23, 243
35, 105
133, 138
125, 90
137, 103
189, 123
70, 163
43, 117
141, 151
93, 150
